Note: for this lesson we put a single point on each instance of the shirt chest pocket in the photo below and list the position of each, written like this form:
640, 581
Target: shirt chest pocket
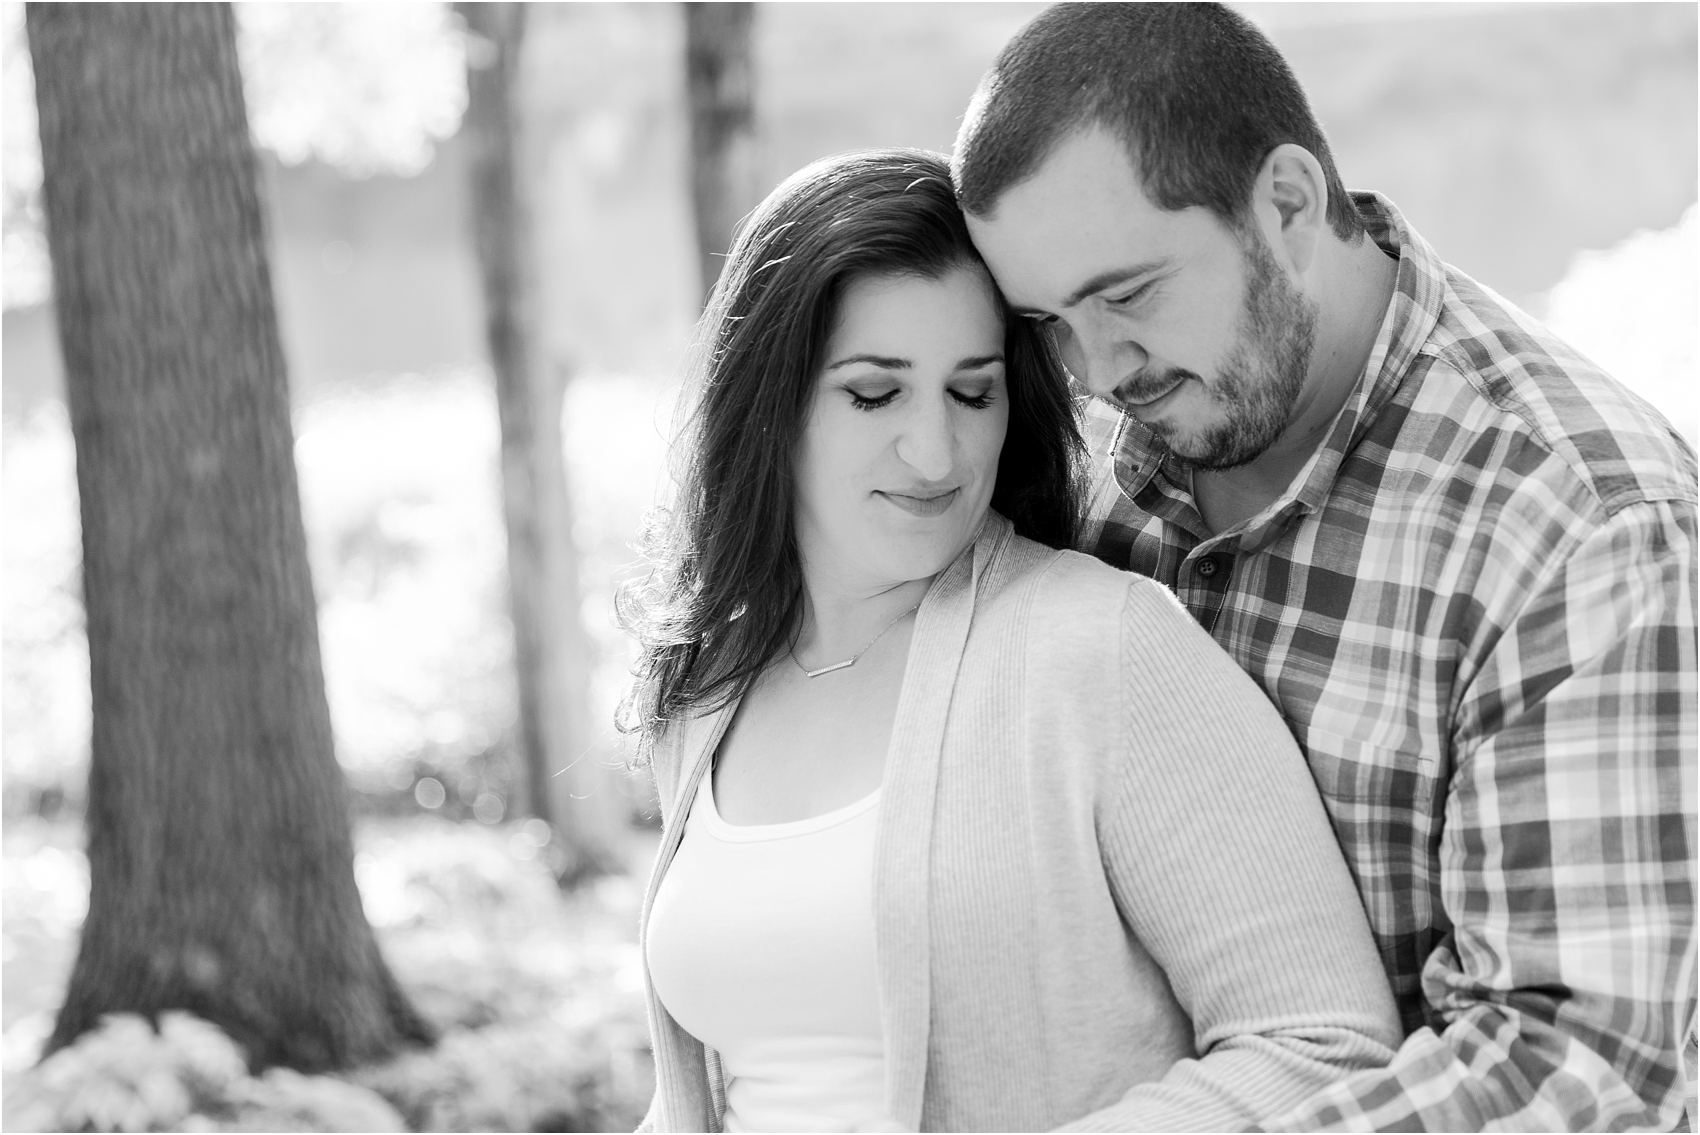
1390, 774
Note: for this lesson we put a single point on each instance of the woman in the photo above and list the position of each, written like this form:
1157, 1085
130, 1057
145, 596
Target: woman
963, 832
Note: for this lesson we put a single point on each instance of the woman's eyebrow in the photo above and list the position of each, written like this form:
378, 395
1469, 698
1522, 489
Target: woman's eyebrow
979, 361
885, 362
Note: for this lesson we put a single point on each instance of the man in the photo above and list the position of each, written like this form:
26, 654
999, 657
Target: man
1458, 558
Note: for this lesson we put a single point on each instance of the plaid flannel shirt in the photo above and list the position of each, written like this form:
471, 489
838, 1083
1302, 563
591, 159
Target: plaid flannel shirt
1475, 607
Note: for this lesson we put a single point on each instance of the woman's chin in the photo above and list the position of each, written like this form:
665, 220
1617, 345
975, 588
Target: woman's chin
886, 546
924, 550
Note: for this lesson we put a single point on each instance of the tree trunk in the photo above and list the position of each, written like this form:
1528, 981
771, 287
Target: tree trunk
720, 79
564, 785
218, 834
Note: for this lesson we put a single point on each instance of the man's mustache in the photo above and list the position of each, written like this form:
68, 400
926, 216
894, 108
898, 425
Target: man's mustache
1148, 386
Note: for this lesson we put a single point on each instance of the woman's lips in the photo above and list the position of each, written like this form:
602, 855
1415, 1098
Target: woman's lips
917, 505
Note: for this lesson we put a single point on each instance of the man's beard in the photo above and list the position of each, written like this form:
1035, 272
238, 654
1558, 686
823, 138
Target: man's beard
1260, 379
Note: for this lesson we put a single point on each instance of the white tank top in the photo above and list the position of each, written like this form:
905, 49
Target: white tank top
761, 945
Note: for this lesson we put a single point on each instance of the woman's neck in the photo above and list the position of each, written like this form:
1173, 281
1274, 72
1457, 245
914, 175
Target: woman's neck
840, 617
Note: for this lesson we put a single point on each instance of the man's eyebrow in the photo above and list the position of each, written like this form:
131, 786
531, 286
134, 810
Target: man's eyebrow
885, 362
1107, 279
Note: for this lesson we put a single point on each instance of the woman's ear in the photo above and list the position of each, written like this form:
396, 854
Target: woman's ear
1290, 201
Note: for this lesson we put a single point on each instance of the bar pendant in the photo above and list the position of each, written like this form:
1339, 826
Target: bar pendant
830, 669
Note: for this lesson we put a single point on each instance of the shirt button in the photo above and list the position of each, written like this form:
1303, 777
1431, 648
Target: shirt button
1205, 567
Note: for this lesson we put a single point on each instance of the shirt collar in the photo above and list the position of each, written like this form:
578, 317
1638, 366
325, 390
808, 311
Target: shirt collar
1418, 293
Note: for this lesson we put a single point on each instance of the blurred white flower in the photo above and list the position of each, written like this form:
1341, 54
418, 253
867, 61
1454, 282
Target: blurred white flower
61, 882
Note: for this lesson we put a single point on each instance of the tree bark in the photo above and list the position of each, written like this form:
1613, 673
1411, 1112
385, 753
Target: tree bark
564, 786
219, 847
720, 79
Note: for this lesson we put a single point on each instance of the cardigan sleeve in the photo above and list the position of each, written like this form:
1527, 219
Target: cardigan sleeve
1225, 867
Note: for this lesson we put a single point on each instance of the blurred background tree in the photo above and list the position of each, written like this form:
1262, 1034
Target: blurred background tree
720, 81
221, 864
551, 652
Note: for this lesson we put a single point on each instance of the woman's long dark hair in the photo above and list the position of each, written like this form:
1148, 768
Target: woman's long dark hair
724, 595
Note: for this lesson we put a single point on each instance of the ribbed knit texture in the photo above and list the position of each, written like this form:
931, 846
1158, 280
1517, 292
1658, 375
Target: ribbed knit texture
1107, 894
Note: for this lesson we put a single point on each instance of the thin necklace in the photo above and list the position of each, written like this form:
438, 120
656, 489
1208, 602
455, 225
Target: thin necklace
851, 661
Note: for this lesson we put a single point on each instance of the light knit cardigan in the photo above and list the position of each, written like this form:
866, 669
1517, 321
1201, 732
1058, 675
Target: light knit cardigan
1106, 892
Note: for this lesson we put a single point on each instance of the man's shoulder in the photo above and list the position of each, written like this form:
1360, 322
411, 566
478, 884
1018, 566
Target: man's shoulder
1525, 404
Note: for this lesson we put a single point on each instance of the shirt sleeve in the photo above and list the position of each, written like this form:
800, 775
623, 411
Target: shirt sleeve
1223, 863
1567, 863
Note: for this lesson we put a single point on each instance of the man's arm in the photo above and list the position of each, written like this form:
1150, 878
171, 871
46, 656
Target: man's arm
1567, 862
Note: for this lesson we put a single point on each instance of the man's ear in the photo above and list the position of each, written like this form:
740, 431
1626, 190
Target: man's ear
1290, 201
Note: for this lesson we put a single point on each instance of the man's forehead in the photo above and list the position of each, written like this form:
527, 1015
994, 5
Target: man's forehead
1090, 160
1081, 214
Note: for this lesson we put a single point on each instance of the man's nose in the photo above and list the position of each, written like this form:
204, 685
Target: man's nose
927, 444
1099, 358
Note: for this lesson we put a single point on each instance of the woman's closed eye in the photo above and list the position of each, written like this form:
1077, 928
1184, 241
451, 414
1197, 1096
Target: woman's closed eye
866, 398
975, 394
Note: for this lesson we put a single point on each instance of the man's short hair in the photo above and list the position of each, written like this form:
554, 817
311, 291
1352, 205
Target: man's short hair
1197, 95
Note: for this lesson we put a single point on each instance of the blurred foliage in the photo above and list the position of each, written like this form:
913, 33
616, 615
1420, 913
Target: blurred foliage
401, 498
184, 1076
531, 1076
366, 88
44, 731
1632, 310
402, 501
538, 995
44, 894
23, 247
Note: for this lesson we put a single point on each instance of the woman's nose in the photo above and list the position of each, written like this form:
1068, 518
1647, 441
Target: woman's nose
927, 443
